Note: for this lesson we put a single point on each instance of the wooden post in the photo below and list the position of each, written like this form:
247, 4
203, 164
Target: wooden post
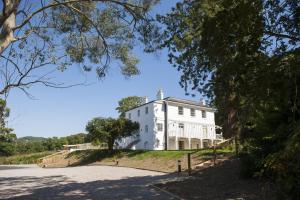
214, 154
179, 166
236, 146
189, 164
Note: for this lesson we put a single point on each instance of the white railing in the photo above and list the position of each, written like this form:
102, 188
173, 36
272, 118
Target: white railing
191, 130
219, 136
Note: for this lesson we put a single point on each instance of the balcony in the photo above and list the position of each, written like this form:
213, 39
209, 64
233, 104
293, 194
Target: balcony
191, 130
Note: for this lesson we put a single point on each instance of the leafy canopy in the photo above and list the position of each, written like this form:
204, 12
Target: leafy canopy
127, 103
244, 55
39, 39
109, 130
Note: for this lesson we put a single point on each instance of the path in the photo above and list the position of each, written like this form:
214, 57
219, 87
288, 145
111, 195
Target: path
22, 182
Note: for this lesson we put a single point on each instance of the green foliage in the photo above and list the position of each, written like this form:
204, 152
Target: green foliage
38, 144
127, 103
7, 144
245, 57
7, 138
24, 158
53, 35
109, 130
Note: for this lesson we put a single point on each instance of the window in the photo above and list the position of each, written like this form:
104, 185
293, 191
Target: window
146, 145
204, 129
159, 126
146, 129
203, 114
180, 110
129, 115
193, 113
157, 143
139, 113
181, 126
146, 110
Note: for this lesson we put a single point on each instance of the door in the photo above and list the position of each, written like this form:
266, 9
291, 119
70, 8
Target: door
180, 145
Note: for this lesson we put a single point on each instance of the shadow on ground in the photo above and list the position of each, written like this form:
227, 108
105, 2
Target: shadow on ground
60, 188
10, 167
219, 183
90, 156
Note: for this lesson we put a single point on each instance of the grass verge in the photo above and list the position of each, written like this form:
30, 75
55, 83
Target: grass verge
32, 158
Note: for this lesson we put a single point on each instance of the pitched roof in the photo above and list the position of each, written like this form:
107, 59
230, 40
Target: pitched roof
178, 100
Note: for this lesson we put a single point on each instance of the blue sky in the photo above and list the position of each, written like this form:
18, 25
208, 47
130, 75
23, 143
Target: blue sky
61, 112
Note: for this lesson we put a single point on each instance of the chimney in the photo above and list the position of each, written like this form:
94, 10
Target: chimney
203, 102
160, 95
145, 100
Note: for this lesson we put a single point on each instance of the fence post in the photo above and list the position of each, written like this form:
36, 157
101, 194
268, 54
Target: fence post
214, 154
179, 166
189, 164
236, 146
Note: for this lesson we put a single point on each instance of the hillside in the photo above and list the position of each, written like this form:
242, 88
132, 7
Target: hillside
31, 139
165, 161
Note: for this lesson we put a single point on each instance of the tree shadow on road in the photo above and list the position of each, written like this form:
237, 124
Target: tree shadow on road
221, 182
60, 188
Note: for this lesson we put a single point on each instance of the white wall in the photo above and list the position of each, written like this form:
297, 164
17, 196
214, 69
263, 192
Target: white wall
154, 138
193, 125
144, 119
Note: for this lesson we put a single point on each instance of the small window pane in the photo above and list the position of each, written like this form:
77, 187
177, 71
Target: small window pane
139, 112
193, 113
203, 114
180, 110
129, 116
159, 127
181, 126
146, 110
146, 128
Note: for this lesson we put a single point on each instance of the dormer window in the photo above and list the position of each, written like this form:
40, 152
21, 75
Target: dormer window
180, 110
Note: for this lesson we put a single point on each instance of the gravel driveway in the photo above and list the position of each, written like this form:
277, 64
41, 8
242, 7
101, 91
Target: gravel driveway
86, 182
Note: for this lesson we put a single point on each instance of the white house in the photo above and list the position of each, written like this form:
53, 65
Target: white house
172, 124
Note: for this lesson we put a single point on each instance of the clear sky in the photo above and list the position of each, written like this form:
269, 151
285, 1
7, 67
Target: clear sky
61, 112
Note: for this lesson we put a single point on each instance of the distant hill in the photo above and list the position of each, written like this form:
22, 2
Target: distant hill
32, 139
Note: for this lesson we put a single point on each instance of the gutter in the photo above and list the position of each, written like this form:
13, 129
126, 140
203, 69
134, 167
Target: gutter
165, 104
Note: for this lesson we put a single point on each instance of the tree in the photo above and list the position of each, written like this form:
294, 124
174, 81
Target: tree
7, 144
76, 138
127, 103
40, 38
244, 56
109, 130
7, 138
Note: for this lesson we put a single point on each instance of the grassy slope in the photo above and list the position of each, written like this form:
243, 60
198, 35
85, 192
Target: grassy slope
24, 158
153, 160
90, 156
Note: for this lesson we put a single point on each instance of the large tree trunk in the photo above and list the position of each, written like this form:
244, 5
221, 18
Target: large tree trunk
110, 144
8, 23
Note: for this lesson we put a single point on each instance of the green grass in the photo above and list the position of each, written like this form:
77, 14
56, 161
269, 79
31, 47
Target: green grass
158, 154
24, 158
90, 156
209, 152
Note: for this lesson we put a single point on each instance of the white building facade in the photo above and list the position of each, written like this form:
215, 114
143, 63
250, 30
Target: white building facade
172, 124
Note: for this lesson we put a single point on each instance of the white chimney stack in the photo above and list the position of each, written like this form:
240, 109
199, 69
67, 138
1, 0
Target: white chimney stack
203, 102
145, 100
160, 95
